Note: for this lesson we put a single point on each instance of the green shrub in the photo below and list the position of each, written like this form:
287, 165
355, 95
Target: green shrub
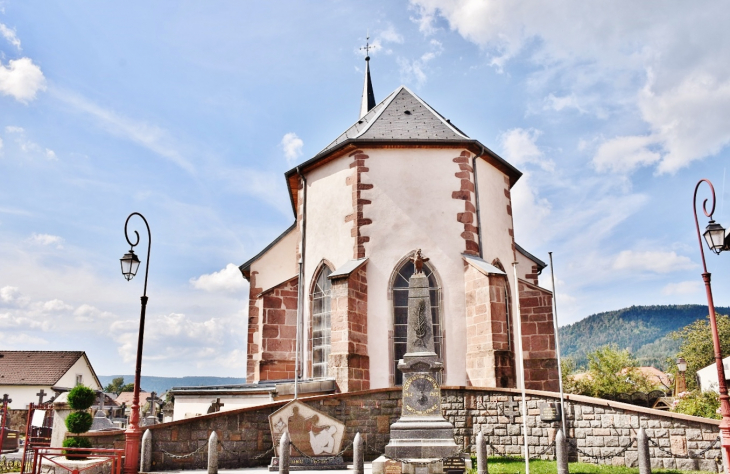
696, 403
79, 422
76, 443
81, 397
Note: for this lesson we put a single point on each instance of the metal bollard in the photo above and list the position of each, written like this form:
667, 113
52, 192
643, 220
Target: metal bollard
212, 453
561, 452
284, 454
482, 467
146, 457
644, 459
358, 458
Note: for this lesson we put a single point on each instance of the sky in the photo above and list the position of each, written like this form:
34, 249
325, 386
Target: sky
190, 113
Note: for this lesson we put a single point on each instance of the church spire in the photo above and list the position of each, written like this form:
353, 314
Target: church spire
368, 97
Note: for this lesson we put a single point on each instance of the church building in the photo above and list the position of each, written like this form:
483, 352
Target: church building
328, 297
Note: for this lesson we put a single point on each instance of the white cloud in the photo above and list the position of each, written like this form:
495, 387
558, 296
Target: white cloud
391, 35
47, 239
9, 34
149, 136
292, 146
51, 155
660, 61
27, 145
87, 313
683, 288
21, 79
416, 69
652, 261
625, 154
519, 147
228, 280
8, 294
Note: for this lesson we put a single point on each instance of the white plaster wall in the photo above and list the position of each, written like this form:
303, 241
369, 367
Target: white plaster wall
708, 376
80, 367
412, 208
279, 263
329, 201
23, 395
495, 225
190, 406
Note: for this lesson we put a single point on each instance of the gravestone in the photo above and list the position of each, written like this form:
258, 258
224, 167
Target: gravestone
315, 438
422, 433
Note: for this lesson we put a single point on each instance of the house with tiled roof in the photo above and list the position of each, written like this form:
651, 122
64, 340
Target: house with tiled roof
37, 376
328, 297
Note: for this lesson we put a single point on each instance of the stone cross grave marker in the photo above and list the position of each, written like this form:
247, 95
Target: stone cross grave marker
41, 395
151, 399
216, 406
511, 409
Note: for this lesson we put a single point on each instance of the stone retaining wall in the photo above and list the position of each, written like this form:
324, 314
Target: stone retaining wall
595, 427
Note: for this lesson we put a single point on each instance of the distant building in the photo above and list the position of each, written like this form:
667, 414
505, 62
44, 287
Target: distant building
401, 178
33, 376
707, 376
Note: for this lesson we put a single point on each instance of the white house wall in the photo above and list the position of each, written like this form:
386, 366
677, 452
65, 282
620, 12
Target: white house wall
23, 395
81, 367
412, 208
190, 406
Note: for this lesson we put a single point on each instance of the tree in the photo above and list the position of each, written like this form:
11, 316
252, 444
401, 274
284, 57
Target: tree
697, 348
117, 386
610, 372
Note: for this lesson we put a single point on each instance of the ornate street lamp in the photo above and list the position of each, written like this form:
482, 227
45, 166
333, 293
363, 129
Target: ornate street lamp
715, 238
130, 264
681, 383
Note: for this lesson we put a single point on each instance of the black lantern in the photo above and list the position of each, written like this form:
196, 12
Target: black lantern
130, 264
715, 236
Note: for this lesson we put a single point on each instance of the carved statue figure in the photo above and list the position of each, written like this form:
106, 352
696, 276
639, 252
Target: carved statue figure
418, 261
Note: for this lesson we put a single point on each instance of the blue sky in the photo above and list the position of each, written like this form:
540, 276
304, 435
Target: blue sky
190, 112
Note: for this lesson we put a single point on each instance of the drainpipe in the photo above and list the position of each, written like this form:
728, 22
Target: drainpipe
476, 196
300, 298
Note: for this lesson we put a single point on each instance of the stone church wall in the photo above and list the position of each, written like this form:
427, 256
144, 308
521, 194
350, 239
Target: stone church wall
606, 430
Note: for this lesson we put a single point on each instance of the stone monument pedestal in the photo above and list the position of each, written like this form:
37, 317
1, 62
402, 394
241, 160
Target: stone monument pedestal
301, 463
422, 435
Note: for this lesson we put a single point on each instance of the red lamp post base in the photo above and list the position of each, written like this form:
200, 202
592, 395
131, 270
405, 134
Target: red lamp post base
131, 449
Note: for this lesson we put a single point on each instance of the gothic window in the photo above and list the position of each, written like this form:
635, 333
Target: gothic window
400, 312
321, 312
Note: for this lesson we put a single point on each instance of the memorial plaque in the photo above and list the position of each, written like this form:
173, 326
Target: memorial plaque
393, 467
550, 412
455, 465
313, 432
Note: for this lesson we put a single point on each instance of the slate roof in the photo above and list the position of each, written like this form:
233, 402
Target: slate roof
402, 116
35, 367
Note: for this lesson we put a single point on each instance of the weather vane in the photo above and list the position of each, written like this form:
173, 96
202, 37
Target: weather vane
367, 46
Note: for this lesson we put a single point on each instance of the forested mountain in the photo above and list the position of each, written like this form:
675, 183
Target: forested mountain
160, 385
641, 329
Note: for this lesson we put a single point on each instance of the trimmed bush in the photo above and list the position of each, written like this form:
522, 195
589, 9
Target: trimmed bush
81, 398
79, 422
76, 443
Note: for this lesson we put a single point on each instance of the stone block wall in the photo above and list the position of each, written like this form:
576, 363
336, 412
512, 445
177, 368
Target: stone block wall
17, 420
278, 331
348, 361
600, 428
489, 357
538, 338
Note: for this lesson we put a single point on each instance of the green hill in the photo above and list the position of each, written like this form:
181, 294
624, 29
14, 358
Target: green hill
641, 329
160, 385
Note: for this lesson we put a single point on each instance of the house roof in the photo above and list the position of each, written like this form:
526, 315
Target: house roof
401, 118
527, 254
36, 367
127, 397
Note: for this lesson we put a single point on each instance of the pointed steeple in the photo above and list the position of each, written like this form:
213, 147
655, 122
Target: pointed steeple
368, 97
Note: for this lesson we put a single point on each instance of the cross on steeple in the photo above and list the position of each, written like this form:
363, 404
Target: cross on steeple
41, 394
367, 48
368, 97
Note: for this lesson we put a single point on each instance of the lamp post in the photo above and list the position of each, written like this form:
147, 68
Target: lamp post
130, 264
716, 240
680, 384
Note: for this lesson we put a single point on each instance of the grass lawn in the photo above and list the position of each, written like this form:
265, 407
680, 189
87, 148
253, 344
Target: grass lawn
498, 465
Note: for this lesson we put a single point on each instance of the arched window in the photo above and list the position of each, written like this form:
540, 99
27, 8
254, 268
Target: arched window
321, 311
400, 312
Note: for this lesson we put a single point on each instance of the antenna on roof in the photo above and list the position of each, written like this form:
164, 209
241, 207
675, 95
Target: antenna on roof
368, 97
